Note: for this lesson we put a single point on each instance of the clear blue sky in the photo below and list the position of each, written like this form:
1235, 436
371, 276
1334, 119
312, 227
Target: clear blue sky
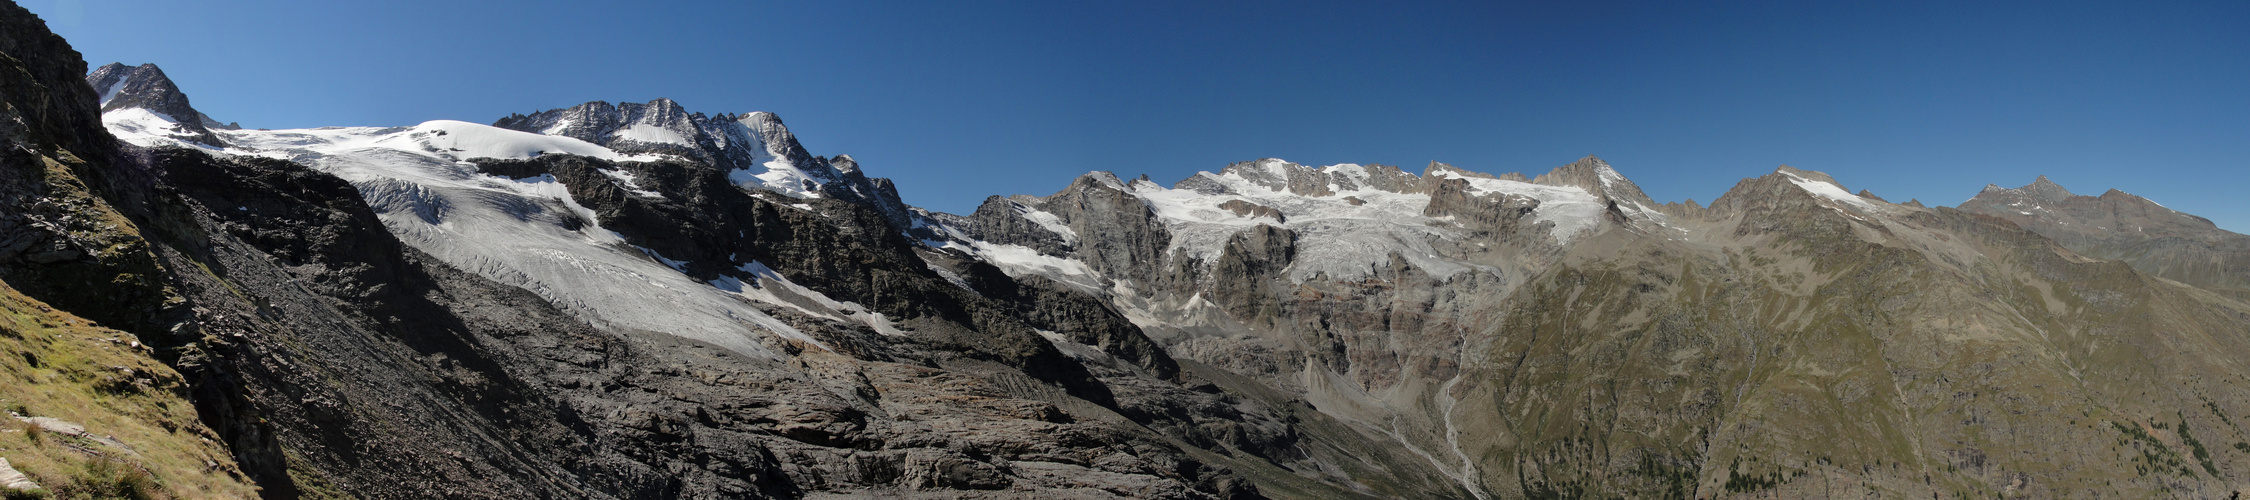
960, 100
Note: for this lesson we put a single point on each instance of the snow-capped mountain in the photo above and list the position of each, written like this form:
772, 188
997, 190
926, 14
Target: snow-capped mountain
141, 101
530, 231
1349, 220
755, 149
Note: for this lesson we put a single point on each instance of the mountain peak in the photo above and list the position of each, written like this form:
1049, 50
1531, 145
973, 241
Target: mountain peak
1437, 168
122, 87
1598, 178
1805, 174
1282, 176
761, 118
755, 149
2046, 190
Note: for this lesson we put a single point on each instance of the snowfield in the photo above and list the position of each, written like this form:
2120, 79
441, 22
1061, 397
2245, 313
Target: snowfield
1336, 237
512, 230
1571, 209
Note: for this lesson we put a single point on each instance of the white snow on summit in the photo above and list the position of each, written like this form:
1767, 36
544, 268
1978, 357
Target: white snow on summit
1571, 209
766, 140
1335, 237
144, 128
642, 132
1050, 222
1831, 191
514, 231
464, 140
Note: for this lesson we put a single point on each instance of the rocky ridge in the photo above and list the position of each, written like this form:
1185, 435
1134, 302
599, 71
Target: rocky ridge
2121, 226
757, 150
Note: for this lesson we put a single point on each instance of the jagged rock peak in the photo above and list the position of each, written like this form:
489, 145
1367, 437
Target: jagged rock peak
1788, 183
755, 149
1583, 173
749, 141
600, 122
121, 87
2046, 190
1437, 168
143, 86
1809, 175
1597, 178
775, 139
2113, 194
768, 125
1099, 178
1281, 175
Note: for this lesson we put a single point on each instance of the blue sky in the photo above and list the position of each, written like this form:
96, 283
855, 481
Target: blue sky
960, 100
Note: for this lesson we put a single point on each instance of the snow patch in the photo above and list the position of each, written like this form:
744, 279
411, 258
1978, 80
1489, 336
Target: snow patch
1831, 191
1335, 238
111, 92
1048, 221
642, 132
441, 139
141, 127
765, 282
631, 183
1018, 260
1571, 209
463, 140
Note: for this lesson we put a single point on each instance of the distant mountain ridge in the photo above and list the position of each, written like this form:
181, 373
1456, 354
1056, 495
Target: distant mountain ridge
2121, 226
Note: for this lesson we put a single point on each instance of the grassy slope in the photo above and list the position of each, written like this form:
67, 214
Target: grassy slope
54, 364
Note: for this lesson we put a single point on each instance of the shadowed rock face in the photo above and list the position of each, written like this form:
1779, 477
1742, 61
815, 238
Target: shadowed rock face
2120, 226
61, 240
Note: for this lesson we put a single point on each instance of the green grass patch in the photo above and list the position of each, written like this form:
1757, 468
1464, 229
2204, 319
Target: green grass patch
142, 437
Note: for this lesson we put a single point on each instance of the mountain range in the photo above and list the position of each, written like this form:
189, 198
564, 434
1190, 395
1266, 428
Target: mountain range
634, 300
